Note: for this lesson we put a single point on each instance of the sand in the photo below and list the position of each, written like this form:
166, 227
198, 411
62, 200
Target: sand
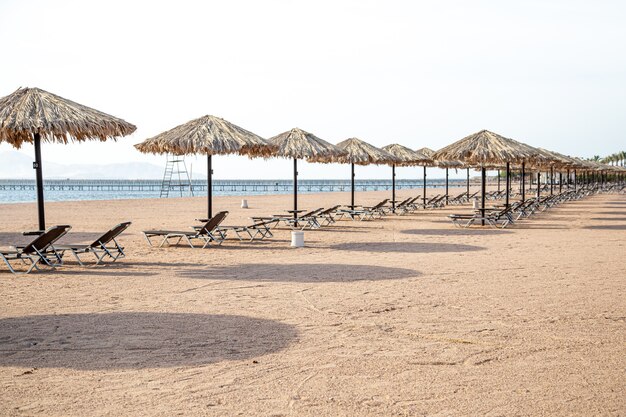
405, 316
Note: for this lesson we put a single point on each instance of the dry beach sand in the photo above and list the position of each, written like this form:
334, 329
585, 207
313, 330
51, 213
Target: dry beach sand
401, 316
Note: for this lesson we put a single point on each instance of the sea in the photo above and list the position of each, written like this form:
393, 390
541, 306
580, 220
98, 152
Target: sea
22, 191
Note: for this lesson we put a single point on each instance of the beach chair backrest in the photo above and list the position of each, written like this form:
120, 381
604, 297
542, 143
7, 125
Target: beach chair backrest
47, 238
312, 212
382, 203
110, 235
328, 211
213, 222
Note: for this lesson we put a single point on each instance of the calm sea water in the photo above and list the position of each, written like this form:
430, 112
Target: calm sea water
68, 190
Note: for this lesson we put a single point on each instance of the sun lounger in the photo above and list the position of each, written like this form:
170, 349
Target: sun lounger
402, 206
493, 217
207, 233
103, 247
326, 217
303, 221
436, 202
458, 199
38, 252
366, 213
256, 231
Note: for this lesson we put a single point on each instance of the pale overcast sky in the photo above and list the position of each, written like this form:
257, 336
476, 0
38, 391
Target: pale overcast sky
419, 73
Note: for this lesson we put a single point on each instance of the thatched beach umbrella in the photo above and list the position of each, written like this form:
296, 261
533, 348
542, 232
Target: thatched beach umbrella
406, 157
32, 115
455, 165
551, 160
299, 144
361, 153
484, 149
426, 159
207, 135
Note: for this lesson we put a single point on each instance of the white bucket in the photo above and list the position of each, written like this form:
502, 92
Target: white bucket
244, 203
297, 239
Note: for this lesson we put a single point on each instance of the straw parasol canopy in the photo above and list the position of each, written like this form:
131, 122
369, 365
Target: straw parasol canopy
32, 115
30, 111
207, 135
362, 153
426, 157
299, 144
487, 148
405, 156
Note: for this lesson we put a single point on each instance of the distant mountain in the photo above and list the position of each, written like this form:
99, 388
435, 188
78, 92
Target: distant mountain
16, 165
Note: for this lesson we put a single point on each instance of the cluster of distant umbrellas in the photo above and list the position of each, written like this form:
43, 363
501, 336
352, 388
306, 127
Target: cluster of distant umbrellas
32, 115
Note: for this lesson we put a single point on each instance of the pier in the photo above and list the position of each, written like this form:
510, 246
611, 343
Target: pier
236, 186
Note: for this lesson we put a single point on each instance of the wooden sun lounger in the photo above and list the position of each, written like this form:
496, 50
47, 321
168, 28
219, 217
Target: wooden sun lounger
208, 233
103, 247
38, 252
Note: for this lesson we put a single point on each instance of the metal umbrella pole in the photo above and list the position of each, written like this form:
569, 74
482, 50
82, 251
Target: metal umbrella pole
39, 177
393, 187
295, 191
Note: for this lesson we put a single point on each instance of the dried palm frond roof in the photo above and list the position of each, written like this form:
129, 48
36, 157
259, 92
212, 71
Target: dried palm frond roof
486, 148
552, 159
426, 157
362, 153
207, 135
406, 156
299, 144
32, 110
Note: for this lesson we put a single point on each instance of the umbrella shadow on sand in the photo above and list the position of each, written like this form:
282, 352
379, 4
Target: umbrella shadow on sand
456, 232
607, 227
301, 272
405, 247
140, 340
613, 213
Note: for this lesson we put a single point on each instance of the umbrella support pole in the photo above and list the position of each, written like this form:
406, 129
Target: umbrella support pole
352, 188
209, 173
560, 182
538, 185
424, 186
508, 183
393, 187
295, 191
551, 181
483, 187
39, 177
523, 182
467, 186
446, 186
